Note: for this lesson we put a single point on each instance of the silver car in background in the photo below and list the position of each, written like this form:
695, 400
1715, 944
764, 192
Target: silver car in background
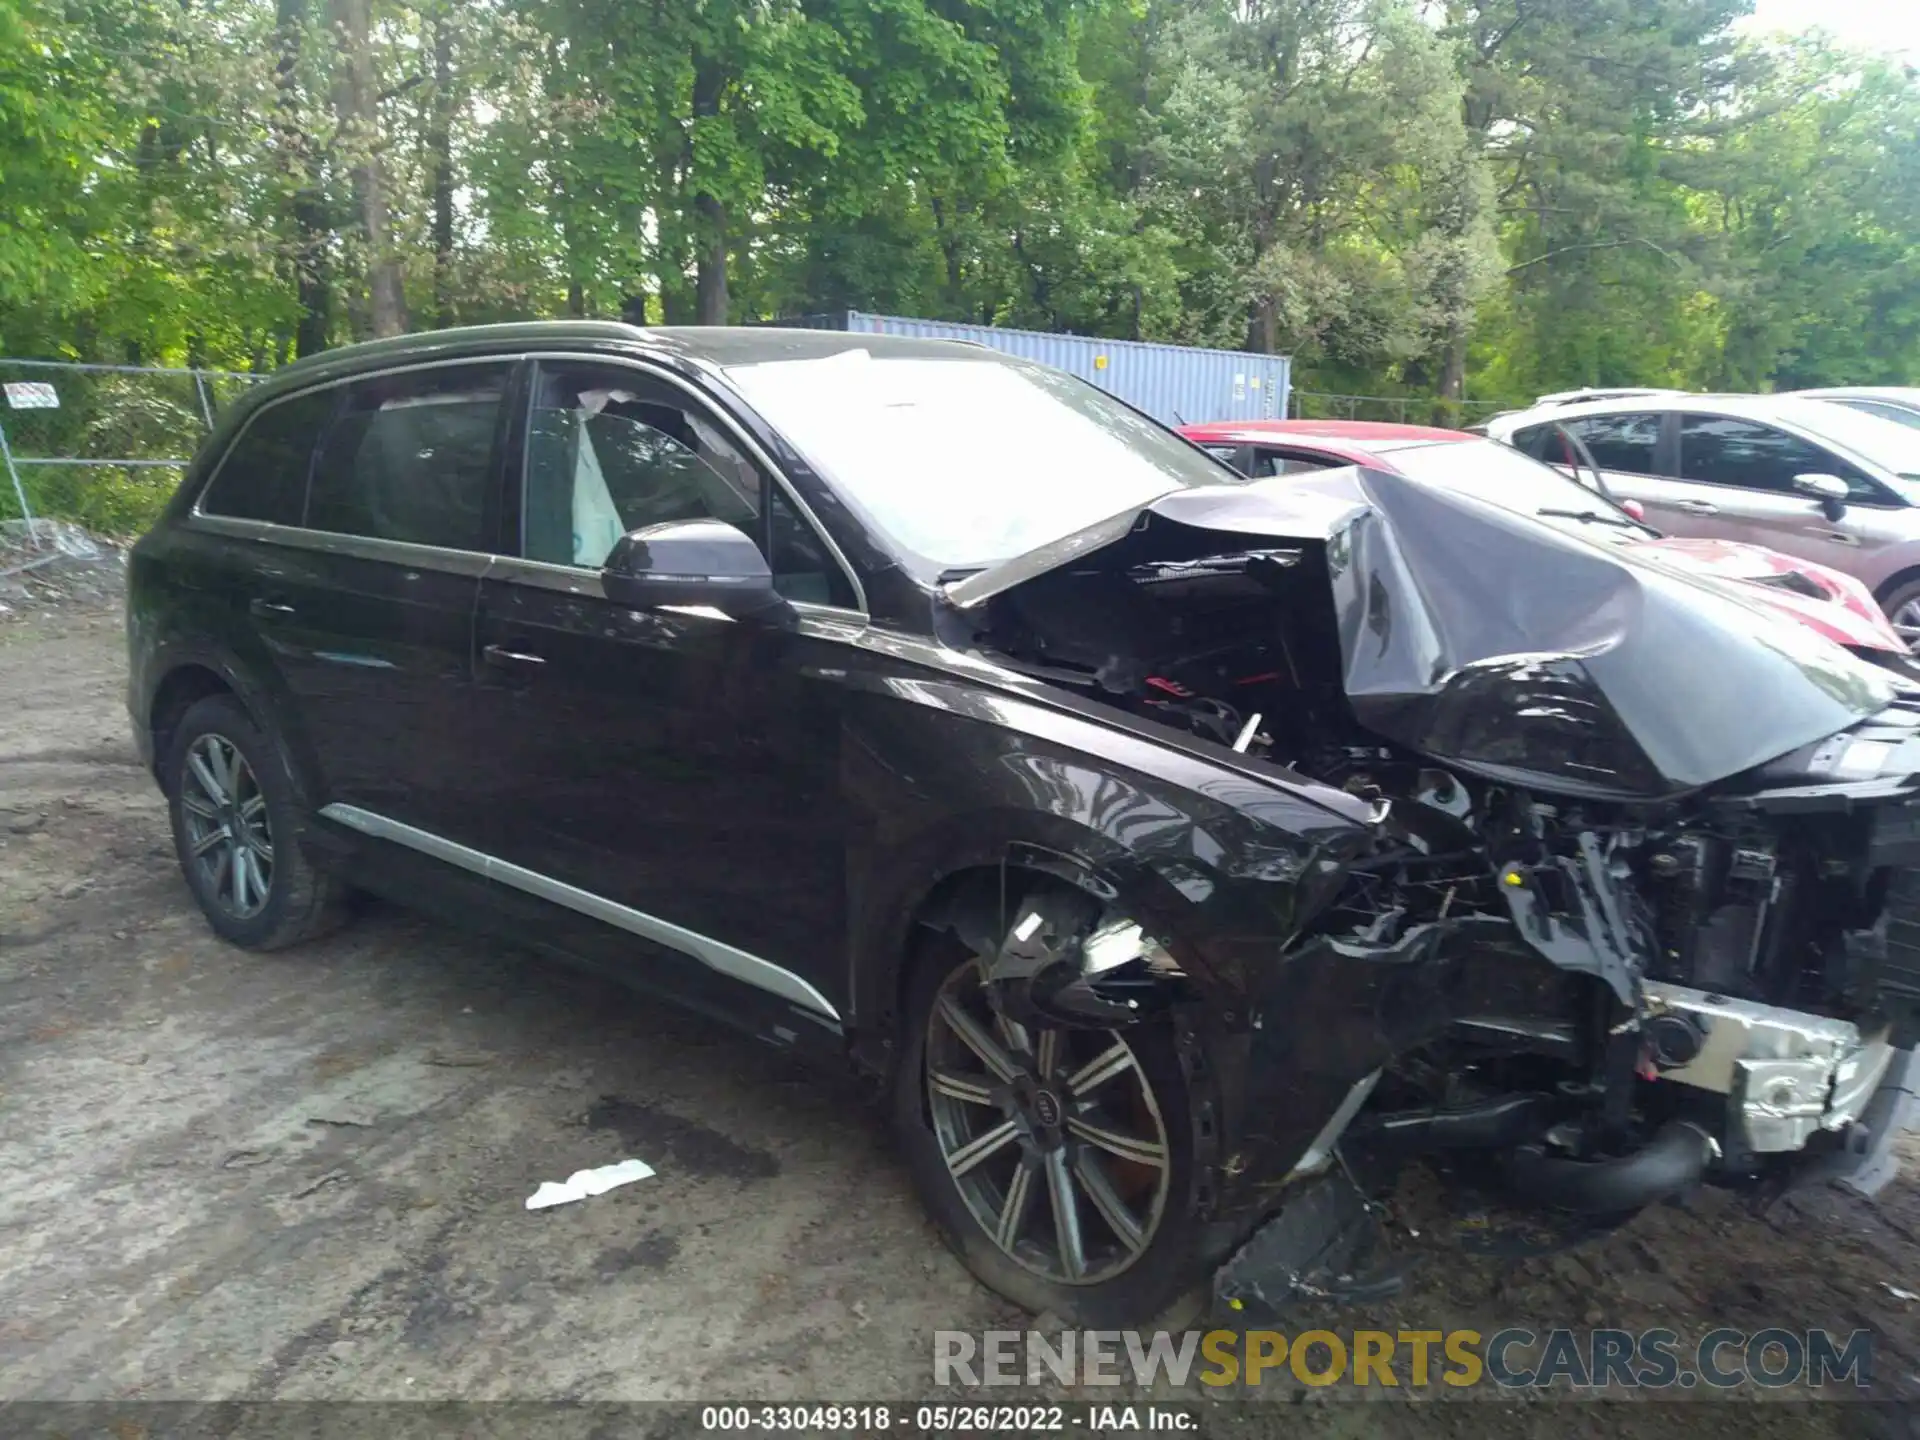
1898, 403
1809, 477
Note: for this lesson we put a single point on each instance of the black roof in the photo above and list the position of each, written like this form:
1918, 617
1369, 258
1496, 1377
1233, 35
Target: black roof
712, 345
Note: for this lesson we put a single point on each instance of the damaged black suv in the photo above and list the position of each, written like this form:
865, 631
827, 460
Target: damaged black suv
1183, 852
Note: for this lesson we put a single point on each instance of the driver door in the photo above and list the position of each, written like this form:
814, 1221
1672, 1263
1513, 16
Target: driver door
671, 772
1743, 472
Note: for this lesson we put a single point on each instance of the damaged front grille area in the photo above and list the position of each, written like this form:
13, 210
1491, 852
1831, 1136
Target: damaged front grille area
1785, 1074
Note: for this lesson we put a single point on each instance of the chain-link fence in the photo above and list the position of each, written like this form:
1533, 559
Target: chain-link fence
102, 444
1397, 409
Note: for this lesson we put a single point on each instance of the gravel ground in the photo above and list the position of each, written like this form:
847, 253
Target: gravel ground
302, 1176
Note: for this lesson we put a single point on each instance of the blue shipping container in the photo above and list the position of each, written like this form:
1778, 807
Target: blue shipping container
1176, 384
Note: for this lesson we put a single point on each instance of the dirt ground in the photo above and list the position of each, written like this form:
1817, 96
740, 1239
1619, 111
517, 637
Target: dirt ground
302, 1176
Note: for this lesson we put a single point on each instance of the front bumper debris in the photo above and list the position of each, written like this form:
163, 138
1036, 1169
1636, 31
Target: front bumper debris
1786, 1074
1319, 1247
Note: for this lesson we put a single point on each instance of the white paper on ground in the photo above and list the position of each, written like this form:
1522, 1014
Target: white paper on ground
583, 1183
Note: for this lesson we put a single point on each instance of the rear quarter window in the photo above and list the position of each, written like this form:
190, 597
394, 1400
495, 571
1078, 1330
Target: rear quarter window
264, 475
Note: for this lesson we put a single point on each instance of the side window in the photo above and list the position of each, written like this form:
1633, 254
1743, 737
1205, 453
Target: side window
264, 475
1715, 450
1626, 443
1533, 441
1268, 463
411, 457
610, 450
1896, 413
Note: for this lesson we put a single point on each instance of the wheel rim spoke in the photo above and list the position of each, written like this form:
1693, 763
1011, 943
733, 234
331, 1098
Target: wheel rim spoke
221, 757
222, 871
1046, 1054
212, 838
1066, 1216
980, 1147
242, 880
203, 775
1013, 1213
1012, 1034
1093, 1180
962, 1087
1116, 1060
977, 1038
1116, 1142
198, 806
253, 810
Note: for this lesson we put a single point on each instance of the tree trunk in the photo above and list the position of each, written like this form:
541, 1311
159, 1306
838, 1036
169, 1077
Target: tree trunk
710, 216
356, 106
1453, 370
306, 204
1263, 329
440, 147
710, 262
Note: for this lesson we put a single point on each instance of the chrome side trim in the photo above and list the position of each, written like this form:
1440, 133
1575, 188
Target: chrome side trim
714, 954
545, 575
362, 547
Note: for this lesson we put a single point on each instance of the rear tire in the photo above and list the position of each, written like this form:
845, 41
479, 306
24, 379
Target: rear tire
237, 819
1156, 1276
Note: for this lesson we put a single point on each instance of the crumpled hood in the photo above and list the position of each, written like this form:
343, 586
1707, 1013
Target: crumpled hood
1511, 648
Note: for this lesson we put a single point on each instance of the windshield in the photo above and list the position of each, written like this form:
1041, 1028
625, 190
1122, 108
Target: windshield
1885, 409
1886, 443
973, 459
1503, 476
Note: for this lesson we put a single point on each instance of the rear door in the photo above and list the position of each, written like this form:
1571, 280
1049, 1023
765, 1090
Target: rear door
670, 771
367, 607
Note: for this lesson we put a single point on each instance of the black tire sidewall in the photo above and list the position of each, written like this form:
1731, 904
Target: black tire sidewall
1167, 1283
224, 716
1899, 596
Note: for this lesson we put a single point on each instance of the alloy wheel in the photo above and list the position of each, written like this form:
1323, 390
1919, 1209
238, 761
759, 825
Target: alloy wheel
1053, 1136
229, 834
1906, 620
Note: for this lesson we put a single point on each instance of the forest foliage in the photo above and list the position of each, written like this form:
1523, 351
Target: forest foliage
1479, 198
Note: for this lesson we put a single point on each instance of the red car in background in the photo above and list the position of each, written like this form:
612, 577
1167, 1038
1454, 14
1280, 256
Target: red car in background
1835, 605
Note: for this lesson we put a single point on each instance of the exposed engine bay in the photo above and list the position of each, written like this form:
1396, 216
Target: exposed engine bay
1672, 856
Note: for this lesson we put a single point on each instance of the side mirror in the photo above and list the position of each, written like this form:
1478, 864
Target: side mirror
706, 563
1830, 490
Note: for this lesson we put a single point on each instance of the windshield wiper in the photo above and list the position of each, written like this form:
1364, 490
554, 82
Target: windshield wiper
1594, 517
954, 573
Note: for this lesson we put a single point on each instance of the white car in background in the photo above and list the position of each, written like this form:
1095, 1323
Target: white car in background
1809, 477
1900, 404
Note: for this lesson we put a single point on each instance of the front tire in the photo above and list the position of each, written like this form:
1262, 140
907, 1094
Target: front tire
1058, 1163
1903, 612
236, 822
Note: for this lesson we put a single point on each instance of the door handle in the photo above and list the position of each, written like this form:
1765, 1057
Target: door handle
1697, 507
1839, 537
262, 609
507, 659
